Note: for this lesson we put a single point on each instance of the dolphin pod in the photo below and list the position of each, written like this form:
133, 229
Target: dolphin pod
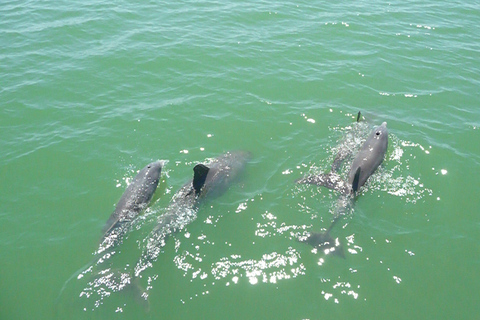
364, 164
211, 179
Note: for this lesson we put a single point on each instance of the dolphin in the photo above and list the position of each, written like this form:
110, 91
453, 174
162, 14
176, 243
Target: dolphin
366, 161
134, 200
209, 180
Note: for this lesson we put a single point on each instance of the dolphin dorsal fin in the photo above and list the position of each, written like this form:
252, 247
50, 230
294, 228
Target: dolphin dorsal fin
200, 172
356, 179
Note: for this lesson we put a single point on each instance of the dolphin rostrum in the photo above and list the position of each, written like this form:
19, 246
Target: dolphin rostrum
366, 161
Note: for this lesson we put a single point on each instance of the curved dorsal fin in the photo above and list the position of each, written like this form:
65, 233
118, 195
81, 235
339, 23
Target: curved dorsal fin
200, 172
356, 179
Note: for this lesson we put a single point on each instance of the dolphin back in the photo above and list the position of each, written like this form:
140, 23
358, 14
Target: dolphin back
370, 156
223, 171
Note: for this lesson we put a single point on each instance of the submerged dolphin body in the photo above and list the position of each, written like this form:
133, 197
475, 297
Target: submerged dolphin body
134, 200
209, 180
366, 161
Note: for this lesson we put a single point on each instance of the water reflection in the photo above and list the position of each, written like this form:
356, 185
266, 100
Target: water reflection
270, 268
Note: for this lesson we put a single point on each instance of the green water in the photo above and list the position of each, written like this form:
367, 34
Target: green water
91, 91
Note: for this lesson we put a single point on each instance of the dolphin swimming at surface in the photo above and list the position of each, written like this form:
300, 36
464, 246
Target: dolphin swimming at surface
366, 161
134, 200
209, 180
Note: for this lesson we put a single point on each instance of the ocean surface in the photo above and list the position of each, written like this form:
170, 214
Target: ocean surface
92, 91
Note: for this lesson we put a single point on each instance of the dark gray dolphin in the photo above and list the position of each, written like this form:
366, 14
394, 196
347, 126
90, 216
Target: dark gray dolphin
134, 200
209, 180
369, 157
366, 161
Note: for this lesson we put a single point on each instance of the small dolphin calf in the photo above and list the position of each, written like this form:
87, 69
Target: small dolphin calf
135, 199
367, 160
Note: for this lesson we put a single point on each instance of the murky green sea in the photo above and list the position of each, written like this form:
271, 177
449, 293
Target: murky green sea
92, 91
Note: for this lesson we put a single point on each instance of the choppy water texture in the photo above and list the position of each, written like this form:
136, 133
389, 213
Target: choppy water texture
92, 91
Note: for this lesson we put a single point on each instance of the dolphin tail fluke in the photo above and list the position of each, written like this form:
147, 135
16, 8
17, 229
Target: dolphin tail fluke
200, 172
329, 180
324, 241
140, 295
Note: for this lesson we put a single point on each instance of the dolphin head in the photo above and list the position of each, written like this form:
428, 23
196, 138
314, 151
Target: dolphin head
379, 140
155, 168
381, 132
152, 174
382, 135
